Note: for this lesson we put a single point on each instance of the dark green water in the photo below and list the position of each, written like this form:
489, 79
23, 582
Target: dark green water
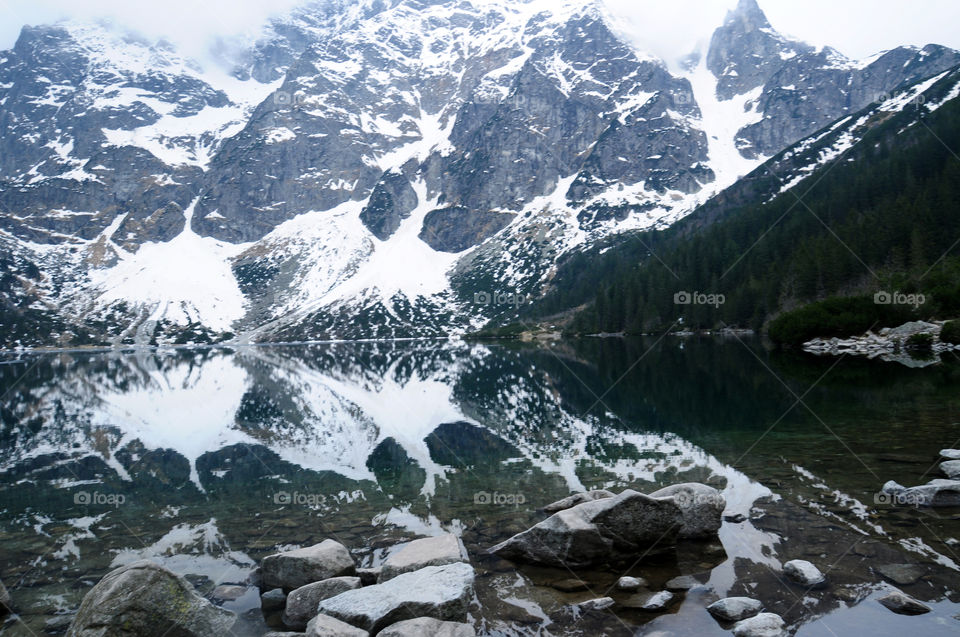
207, 460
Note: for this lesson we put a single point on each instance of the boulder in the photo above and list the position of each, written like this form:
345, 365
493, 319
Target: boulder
429, 551
631, 584
273, 600
5, 603
903, 604
293, 569
804, 573
285, 634
902, 574
326, 626
427, 626
302, 603
762, 625
951, 468
936, 493
682, 583
950, 454
600, 603
146, 599
578, 498
702, 508
734, 609
570, 585
651, 602
596, 531
440, 592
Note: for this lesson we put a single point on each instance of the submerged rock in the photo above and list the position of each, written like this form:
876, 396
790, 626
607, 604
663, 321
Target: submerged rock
578, 498
440, 592
762, 625
426, 626
682, 583
326, 626
651, 602
570, 585
145, 599
228, 593
302, 603
702, 508
903, 604
951, 468
293, 569
418, 554
902, 574
734, 609
597, 531
805, 573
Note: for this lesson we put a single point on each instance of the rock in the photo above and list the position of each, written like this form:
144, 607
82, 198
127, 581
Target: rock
601, 603
427, 626
902, 574
146, 599
570, 585
702, 508
302, 603
228, 593
762, 625
631, 584
804, 573
578, 498
428, 551
734, 609
285, 634
651, 602
903, 604
440, 592
950, 454
369, 576
597, 531
293, 569
273, 600
682, 583
58, 624
936, 493
736, 518
6, 606
326, 626
951, 468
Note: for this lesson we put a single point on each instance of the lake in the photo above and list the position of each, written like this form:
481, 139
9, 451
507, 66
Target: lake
207, 460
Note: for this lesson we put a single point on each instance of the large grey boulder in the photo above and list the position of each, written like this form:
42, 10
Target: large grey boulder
326, 626
302, 603
936, 493
597, 531
734, 609
762, 625
418, 554
293, 569
440, 592
804, 573
145, 599
903, 604
578, 498
428, 626
951, 468
950, 454
702, 508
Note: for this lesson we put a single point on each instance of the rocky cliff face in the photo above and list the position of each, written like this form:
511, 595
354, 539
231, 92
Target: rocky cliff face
367, 168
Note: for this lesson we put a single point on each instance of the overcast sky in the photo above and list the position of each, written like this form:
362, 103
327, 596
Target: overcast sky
669, 28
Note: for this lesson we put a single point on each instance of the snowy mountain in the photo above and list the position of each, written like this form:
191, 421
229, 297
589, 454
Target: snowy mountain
374, 169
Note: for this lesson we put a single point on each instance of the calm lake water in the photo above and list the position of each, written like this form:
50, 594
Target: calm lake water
208, 460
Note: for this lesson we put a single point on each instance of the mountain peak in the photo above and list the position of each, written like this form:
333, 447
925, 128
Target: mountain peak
748, 15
